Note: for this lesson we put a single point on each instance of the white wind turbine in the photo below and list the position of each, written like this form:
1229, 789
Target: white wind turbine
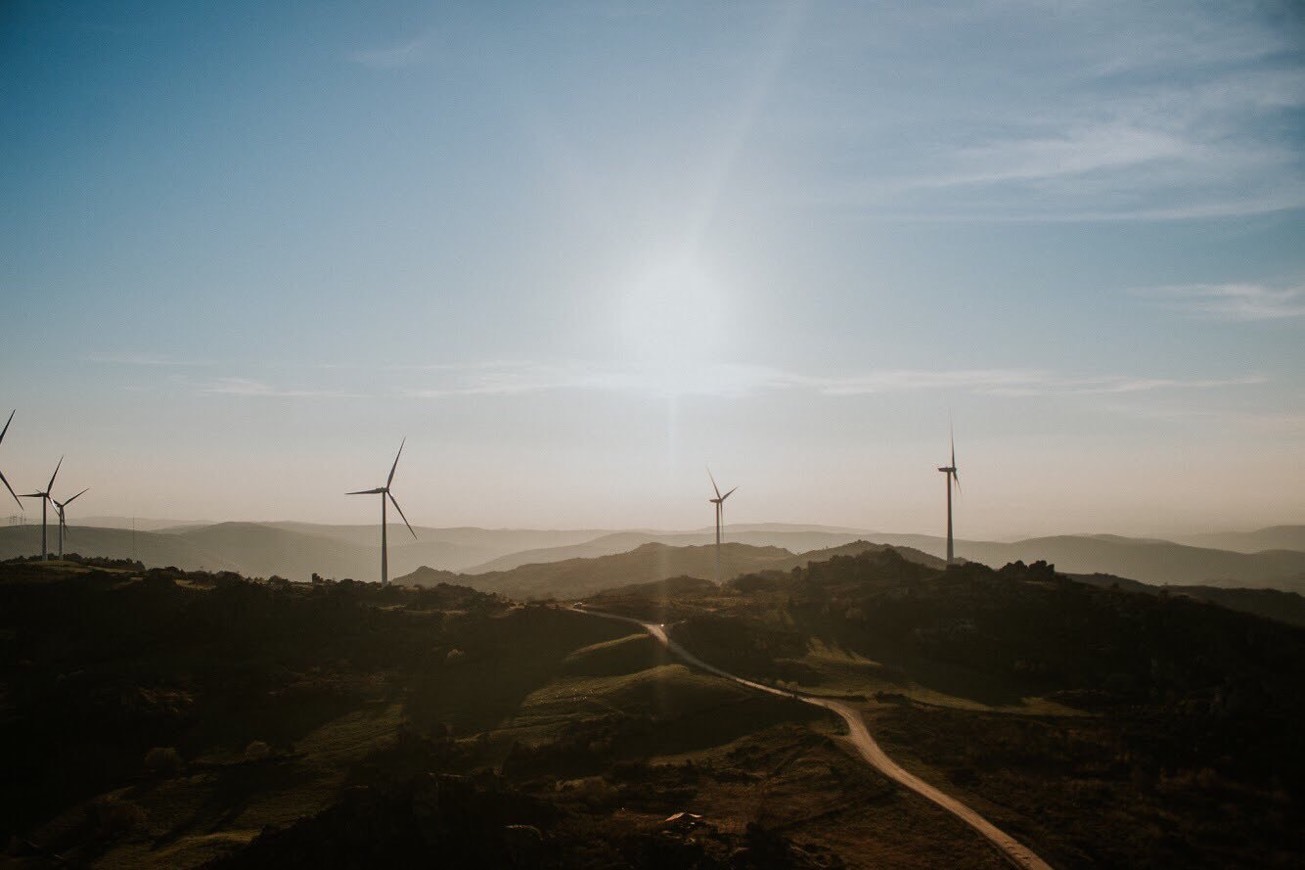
384, 493
44, 496
952, 476
719, 502
59, 508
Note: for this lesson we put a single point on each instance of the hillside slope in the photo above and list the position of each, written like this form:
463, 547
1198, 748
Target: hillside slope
647, 563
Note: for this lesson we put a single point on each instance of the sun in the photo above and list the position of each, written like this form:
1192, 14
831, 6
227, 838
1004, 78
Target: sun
673, 324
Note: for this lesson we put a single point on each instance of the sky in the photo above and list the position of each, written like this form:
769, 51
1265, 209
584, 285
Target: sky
576, 252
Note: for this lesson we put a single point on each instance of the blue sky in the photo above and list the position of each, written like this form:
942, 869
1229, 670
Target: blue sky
575, 251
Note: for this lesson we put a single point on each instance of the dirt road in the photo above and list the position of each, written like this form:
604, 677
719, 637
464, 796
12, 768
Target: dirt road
1014, 851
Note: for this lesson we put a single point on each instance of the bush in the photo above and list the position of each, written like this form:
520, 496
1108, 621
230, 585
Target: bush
257, 750
163, 761
114, 817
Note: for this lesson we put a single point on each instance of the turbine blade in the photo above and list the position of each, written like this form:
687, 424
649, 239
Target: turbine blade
953, 439
713, 482
7, 422
400, 510
49, 486
393, 467
367, 491
10, 488
727, 495
956, 477
83, 492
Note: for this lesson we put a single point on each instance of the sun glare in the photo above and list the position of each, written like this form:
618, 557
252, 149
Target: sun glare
673, 326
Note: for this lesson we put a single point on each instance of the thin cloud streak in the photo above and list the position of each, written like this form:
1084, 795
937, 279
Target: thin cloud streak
1141, 138
1231, 302
250, 387
144, 359
503, 379
404, 54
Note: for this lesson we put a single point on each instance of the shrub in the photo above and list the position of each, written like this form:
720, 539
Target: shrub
163, 761
114, 817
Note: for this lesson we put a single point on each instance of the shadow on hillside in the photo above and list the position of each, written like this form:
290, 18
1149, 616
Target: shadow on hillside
230, 793
944, 678
482, 677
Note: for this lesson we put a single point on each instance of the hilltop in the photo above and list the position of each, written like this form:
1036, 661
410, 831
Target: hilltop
577, 578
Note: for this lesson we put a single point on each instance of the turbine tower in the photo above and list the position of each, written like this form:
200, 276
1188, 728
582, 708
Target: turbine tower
58, 507
45, 499
719, 502
950, 471
384, 493
2, 475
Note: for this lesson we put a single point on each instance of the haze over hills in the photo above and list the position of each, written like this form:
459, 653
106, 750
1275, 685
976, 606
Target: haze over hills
647, 563
291, 550
297, 550
1155, 562
1259, 540
792, 538
1148, 561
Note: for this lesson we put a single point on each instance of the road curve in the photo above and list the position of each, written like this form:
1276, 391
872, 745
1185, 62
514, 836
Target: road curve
1014, 851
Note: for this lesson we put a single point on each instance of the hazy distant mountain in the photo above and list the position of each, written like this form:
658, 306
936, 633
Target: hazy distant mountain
1151, 561
292, 550
263, 550
1288, 607
296, 550
1147, 560
1272, 538
155, 549
795, 539
141, 524
646, 563
576, 578
455, 549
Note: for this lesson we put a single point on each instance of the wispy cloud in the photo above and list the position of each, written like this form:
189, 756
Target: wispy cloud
255, 388
1183, 116
1235, 302
515, 378
504, 378
403, 54
145, 359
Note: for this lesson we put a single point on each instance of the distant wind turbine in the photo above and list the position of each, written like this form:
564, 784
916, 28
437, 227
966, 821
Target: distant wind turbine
384, 493
2, 476
59, 508
952, 476
719, 502
45, 498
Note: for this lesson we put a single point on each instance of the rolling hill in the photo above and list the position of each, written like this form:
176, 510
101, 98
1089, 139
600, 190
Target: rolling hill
795, 540
1271, 538
297, 550
647, 563
1155, 562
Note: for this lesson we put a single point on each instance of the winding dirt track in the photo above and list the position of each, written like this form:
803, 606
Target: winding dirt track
1014, 851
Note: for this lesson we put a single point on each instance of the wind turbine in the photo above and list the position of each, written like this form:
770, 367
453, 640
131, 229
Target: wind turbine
2, 476
384, 493
45, 498
59, 506
950, 471
719, 502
